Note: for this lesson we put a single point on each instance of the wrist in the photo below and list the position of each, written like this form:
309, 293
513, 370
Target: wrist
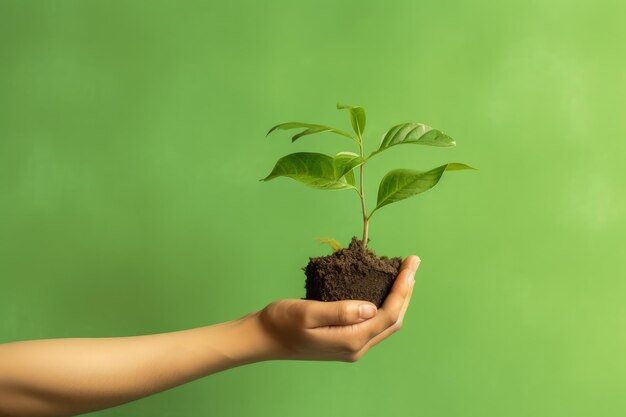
253, 341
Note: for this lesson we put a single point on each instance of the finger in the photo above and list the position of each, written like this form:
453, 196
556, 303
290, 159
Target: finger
390, 330
389, 312
394, 302
337, 313
412, 262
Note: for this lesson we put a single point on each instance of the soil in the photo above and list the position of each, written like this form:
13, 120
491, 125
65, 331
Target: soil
352, 273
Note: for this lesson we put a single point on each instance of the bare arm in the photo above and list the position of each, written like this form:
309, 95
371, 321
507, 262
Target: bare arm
62, 377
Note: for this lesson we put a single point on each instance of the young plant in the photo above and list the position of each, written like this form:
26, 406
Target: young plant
326, 172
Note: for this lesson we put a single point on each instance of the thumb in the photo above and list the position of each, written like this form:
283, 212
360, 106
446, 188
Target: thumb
338, 313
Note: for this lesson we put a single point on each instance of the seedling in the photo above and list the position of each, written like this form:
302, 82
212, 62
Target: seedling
337, 172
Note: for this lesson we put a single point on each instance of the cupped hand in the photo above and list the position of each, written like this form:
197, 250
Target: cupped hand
338, 330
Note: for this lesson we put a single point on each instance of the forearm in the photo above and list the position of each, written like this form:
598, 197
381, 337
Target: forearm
69, 376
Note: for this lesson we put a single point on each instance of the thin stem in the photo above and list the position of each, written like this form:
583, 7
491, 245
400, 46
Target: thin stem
362, 197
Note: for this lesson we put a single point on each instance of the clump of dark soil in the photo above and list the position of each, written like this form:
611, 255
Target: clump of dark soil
353, 273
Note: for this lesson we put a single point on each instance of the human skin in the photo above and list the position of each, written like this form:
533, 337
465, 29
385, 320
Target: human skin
64, 377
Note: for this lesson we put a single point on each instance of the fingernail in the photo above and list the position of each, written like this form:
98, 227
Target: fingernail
367, 311
411, 277
416, 263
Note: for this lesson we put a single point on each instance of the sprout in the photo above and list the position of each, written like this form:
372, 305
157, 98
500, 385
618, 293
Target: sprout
327, 172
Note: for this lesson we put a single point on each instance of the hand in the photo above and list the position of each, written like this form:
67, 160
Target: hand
338, 330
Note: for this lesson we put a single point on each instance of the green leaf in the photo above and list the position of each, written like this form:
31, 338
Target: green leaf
400, 184
345, 162
357, 117
318, 170
333, 243
416, 133
309, 129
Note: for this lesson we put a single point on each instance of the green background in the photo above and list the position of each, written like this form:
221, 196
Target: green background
132, 141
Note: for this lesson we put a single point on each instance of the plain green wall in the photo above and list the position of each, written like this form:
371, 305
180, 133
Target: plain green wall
132, 141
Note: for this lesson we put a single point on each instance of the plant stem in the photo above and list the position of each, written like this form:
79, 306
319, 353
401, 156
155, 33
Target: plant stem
362, 197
